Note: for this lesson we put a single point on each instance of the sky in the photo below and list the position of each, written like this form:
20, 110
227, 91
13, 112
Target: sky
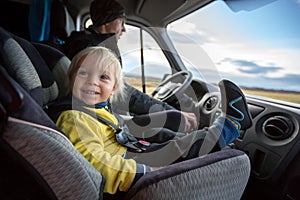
255, 48
260, 48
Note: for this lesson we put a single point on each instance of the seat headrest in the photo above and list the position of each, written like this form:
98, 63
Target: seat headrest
37, 68
16, 62
58, 63
61, 22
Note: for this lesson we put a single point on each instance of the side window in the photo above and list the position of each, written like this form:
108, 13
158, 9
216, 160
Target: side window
141, 55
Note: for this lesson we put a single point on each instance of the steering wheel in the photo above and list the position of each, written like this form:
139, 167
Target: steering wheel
167, 89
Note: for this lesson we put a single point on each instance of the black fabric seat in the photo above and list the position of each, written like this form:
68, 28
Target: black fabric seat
61, 21
61, 25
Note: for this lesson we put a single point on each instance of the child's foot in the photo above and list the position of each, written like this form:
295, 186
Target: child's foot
234, 104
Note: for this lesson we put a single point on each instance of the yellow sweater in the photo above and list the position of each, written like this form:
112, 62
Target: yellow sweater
96, 142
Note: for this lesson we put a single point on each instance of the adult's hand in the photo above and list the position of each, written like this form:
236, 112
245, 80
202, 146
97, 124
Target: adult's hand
191, 122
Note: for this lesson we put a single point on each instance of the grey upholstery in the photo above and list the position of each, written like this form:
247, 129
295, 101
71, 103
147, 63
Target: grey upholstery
58, 64
39, 69
219, 175
36, 141
67, 173
46, 153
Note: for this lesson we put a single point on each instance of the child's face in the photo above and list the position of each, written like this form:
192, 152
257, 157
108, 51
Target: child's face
92, 85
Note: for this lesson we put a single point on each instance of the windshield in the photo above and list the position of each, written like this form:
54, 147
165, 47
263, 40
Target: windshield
259, 49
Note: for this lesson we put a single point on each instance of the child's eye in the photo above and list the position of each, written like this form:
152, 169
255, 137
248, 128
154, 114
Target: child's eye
83, 74
103, 77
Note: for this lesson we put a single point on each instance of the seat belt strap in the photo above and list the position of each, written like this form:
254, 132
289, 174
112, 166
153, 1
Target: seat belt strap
122, 137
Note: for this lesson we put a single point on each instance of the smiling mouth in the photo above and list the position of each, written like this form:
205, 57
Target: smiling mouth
90, 92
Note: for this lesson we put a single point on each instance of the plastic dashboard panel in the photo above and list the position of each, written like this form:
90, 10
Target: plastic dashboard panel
270, 156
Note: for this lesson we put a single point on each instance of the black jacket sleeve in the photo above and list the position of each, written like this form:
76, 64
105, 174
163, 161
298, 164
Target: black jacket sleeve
137, 102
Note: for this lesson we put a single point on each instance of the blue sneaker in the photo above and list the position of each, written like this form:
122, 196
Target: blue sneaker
234, 104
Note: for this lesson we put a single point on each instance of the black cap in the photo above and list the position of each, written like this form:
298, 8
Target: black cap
104, 11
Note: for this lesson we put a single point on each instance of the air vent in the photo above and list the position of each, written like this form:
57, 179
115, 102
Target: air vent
210, 103
278, 127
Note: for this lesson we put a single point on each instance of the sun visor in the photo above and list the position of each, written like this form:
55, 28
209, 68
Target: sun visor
243, 5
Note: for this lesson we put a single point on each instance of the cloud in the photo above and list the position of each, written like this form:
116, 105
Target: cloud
288, 82
153, 70
251, 67
187, 32
265, 76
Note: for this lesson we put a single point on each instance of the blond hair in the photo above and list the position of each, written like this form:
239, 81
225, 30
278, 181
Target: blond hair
106, 59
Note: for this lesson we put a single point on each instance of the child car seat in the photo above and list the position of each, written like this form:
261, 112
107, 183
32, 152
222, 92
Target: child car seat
39, 161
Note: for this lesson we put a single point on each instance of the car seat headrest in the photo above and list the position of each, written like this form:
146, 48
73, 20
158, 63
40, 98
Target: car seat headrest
39, 69
18, 65
58, 63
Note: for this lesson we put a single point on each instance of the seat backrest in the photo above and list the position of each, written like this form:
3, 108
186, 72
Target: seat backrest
38, 68
37, 160
40, 162
61, 22
49, 21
